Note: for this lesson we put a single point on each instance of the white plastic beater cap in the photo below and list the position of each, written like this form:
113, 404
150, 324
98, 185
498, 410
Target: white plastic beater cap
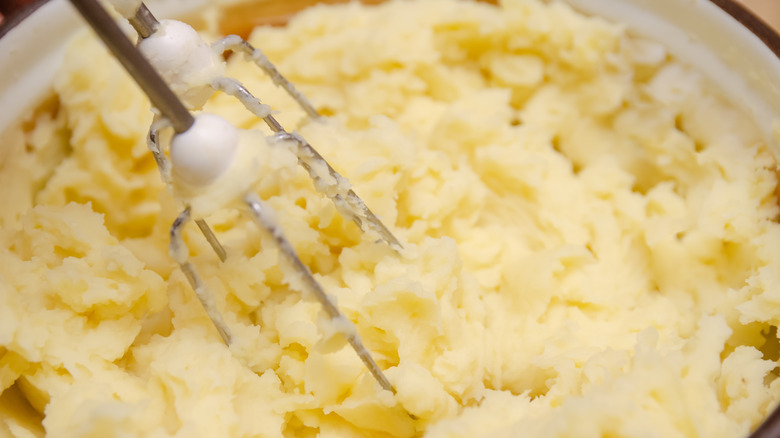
204, 152
184, 60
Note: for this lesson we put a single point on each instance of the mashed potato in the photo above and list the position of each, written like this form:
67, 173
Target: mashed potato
591, 244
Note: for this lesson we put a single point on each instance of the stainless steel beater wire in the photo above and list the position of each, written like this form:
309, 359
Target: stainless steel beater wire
235, 89
134, 62
144, 22
314, 287
379, 227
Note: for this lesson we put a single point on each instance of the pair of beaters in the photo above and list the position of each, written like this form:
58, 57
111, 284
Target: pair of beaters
211, 164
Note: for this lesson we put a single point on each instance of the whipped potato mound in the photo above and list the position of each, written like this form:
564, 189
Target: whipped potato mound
591, 245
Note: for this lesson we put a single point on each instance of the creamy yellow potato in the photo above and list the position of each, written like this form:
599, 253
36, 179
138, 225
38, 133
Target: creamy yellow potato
590, 232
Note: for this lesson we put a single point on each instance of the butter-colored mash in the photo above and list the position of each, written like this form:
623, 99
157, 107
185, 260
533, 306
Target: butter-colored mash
590, 233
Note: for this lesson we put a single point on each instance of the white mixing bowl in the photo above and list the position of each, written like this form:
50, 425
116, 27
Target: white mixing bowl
730, 46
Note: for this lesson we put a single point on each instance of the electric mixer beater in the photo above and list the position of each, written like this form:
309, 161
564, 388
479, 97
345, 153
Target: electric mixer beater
212, 163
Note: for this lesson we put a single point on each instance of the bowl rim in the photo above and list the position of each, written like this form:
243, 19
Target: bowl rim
16, 17
770, 427
768, 35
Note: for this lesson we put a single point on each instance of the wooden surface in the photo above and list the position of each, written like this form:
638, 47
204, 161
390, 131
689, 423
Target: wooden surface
10, 6
767, 10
